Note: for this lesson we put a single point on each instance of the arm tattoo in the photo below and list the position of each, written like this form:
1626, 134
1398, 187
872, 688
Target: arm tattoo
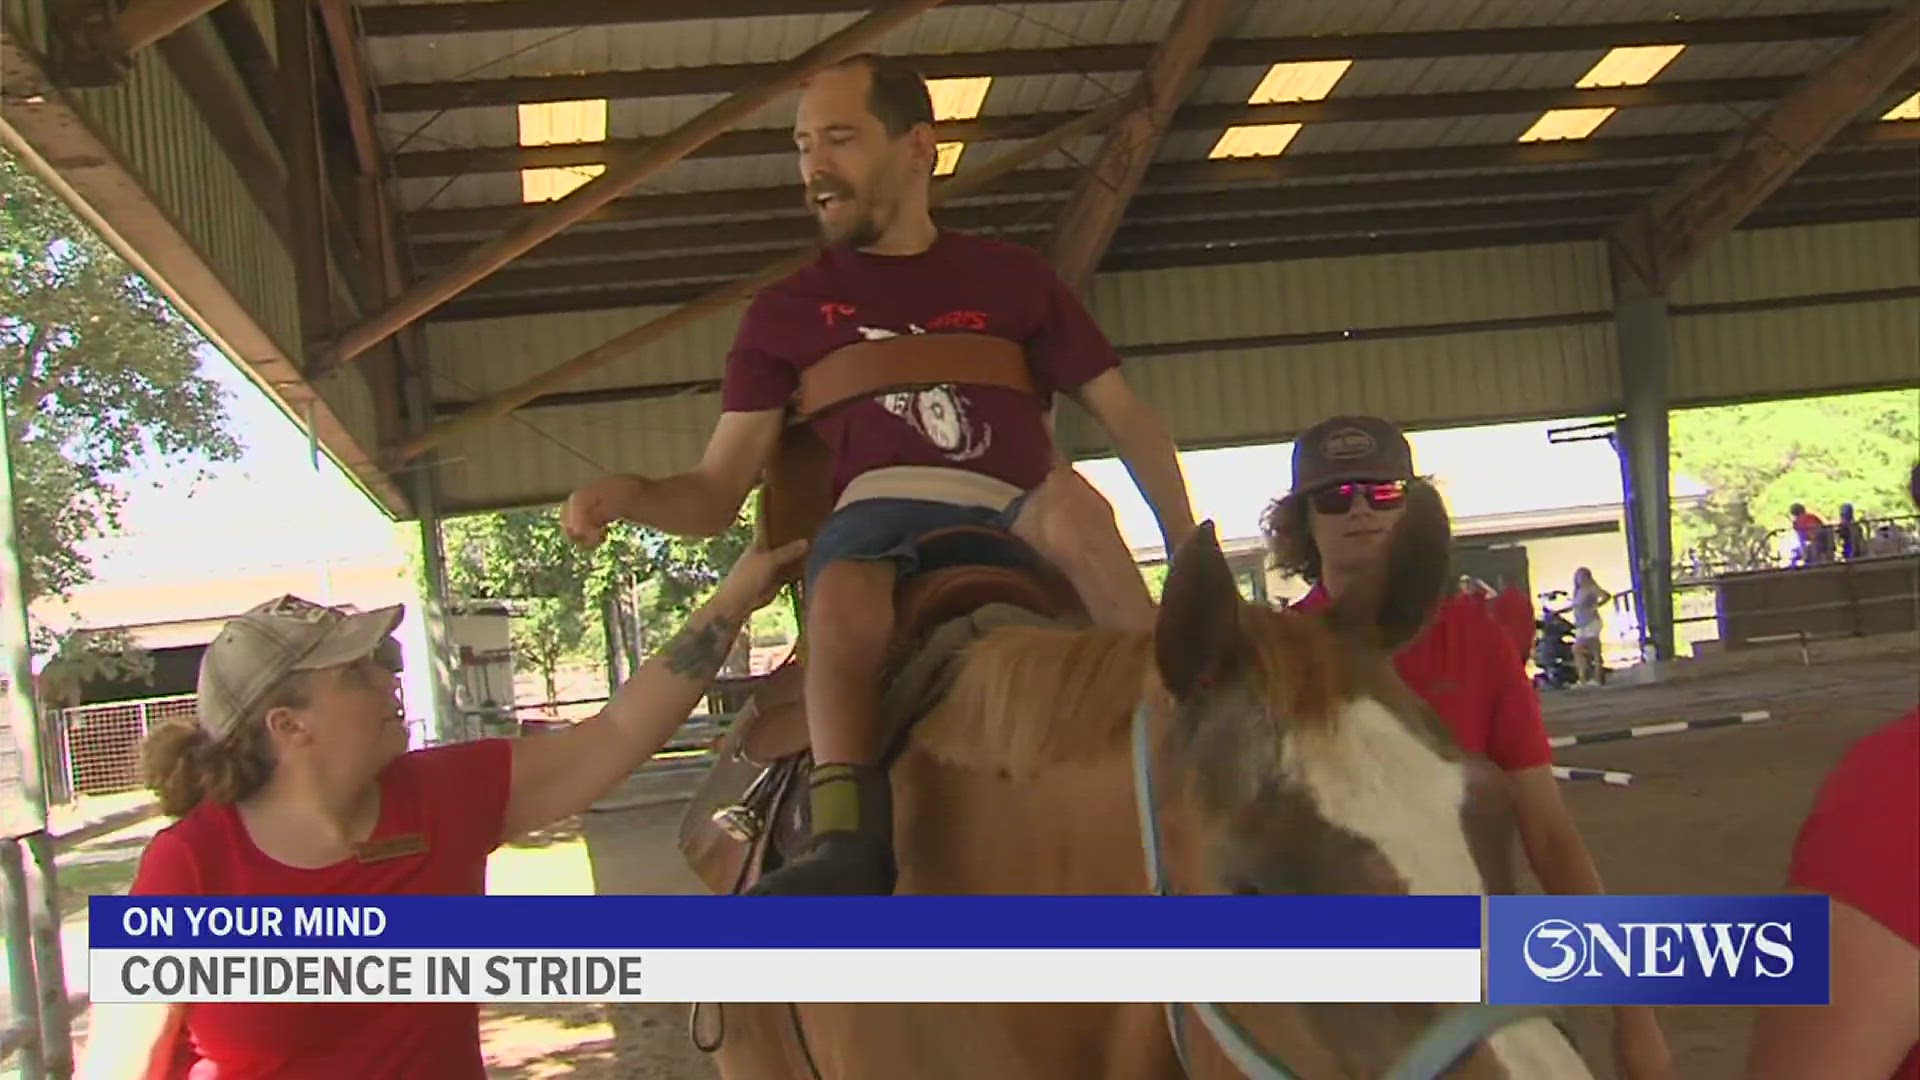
696, 652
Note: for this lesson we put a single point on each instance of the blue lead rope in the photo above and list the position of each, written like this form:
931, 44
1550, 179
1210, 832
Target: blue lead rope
1438, 1049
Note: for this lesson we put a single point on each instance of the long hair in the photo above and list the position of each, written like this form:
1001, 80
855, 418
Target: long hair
1290, 538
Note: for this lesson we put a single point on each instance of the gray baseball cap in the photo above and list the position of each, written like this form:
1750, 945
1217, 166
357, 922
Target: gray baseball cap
1340, 449
259, 648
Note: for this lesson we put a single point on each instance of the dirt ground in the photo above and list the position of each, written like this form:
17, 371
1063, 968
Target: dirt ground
1710, 811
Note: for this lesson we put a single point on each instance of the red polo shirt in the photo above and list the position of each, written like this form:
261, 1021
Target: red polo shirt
455, 798
1464, 666
1861, 842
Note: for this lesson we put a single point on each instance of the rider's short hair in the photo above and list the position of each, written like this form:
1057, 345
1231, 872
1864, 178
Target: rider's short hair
897, 96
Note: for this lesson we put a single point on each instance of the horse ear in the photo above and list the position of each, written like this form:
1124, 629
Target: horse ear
1198, 639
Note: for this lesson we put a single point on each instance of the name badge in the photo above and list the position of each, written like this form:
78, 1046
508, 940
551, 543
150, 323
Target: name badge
393, 847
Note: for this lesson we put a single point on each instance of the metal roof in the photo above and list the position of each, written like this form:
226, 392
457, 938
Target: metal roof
1438, 92
1407, 187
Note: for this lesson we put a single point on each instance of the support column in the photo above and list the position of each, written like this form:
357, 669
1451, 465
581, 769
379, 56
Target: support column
1640, 333
445, 723
33, 890
306, 184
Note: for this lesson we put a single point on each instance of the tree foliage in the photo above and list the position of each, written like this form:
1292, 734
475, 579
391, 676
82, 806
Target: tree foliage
101, 375
558, 590
1757, 460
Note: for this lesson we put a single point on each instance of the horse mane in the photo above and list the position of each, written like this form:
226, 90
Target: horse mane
1029, 697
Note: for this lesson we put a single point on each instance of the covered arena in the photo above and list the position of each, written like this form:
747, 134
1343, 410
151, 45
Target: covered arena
487, 250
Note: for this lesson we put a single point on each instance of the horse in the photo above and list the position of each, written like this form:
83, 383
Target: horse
1288, 758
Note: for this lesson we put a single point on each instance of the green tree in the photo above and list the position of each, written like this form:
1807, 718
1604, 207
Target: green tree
559, 590
1759, 459
101, 375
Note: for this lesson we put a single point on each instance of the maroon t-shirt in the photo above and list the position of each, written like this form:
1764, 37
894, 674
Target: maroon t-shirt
962, 284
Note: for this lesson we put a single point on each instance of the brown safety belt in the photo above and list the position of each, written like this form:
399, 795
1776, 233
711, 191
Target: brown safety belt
869, 368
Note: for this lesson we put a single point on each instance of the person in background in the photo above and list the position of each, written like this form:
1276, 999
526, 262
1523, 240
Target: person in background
1350, 479
295, 779
1587, 625
1852, 533
1812, 533
1860, 847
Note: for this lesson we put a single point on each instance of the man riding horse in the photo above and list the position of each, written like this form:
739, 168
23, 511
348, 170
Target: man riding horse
982, 334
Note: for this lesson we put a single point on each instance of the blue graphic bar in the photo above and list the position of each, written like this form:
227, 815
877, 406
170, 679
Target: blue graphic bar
1658, 950
726, 922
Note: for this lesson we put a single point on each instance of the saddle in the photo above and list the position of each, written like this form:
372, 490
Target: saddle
751, 811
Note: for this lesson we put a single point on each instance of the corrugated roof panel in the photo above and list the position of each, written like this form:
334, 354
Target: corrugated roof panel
1270, 394
497, 125
1682, 120
1760, 264
1751, 60
1020, 95
1794, 352
1448, 75
485, 356
540, 456
1315, 295
456, 192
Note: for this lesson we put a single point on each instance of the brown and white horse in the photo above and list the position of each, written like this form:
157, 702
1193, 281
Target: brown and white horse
1288, 759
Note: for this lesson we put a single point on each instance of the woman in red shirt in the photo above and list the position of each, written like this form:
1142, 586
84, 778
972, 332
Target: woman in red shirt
1860, 846
296, 780
1350, 478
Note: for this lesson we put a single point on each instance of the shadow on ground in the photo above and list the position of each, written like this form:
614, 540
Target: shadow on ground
589, 1042
635, 852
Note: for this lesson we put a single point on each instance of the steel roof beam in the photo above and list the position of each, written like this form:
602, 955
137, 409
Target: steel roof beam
1091, 59
143, 22
644, 267
1865, 149
1668, 234
1255, 248
623, 173
1441, 195
1336, 110
1108, 183
482, 16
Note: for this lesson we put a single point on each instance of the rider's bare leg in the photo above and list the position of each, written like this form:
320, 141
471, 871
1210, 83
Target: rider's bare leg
1071, 525
849, 623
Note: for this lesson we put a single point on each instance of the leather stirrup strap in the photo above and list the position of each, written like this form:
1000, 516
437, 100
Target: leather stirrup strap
867, 368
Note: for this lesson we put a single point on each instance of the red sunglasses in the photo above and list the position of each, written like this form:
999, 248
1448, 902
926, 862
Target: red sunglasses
1338, 499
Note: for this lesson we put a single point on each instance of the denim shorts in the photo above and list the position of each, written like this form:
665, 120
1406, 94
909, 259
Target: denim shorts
889, 530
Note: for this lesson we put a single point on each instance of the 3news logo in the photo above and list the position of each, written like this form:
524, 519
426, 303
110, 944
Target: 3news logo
1657, 950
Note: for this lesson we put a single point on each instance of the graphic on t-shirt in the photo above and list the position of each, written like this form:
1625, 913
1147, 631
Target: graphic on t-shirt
939, 413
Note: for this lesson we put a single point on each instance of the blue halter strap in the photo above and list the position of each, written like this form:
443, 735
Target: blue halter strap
1439, 1048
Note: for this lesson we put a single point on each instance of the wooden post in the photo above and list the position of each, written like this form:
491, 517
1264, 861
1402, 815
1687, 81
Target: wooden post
306, 186
1666, 236
143, 22
620, 177
1108, 184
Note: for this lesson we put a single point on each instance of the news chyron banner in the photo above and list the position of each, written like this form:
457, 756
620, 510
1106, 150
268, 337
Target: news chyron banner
1658, 950
1537, 950
685, 949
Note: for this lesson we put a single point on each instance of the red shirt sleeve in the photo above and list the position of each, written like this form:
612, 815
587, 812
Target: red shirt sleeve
1066, 347
464, 788
1516, 733
1861, 842
757, 379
